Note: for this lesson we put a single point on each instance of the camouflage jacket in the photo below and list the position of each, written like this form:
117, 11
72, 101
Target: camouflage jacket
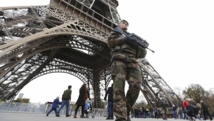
120, 50
163, 102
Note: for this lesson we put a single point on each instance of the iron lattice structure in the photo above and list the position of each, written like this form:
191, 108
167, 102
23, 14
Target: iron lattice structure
66, 36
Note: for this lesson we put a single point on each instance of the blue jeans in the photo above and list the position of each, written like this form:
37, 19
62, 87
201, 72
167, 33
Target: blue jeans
51, 111
64, 103
110, 109
174, 114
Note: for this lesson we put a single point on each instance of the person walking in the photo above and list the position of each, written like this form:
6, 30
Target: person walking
66, 97
174, 109
109, 93
83, 96
54, 106
156, 112
205, 110
124, 67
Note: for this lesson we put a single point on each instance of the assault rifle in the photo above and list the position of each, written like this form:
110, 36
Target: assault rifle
135, 38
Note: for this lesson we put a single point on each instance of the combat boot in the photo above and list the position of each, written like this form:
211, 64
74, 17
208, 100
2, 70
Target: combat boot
108, 118
120, 119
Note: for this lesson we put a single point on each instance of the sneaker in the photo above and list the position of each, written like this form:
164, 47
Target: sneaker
68, 115
109, 118
57, 115
193, 118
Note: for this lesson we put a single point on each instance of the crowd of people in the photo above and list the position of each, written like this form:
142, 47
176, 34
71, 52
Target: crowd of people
188, 111
195, 110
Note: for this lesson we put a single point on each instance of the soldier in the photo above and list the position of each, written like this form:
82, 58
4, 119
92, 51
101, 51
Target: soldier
125, 67
163, 104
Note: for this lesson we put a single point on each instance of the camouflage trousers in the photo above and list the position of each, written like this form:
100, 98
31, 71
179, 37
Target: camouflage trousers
164, 112
120, 73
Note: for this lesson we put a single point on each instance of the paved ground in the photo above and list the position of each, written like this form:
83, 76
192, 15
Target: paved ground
42, 117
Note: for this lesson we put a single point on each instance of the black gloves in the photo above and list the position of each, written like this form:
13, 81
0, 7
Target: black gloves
131, 42
128, 38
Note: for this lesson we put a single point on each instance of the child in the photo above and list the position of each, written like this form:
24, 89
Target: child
88, 108
54, 106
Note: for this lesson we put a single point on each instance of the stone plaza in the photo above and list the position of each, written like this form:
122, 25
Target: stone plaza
14, 116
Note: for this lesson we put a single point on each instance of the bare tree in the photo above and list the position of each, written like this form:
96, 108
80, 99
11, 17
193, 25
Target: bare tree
194, 91
209, 100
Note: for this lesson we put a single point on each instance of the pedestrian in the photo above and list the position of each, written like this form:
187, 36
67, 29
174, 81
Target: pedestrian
124, 67
174, 109
83, 96
180, 113
185, 105
66, 98
54, 106
185, 113
193, 111
205, 110
156, 112
109, 93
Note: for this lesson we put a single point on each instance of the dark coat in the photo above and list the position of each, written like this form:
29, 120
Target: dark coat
82, 93
192, 110
204, 106
109, 93
174, 108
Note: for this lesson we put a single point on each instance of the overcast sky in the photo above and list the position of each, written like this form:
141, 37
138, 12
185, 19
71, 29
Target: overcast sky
180, 31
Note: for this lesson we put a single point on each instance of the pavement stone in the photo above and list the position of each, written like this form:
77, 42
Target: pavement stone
13, 116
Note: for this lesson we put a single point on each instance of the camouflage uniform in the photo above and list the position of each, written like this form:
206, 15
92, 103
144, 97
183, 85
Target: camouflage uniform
124, 67
164, 104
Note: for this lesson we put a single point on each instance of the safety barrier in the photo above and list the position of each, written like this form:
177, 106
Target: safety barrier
44, 108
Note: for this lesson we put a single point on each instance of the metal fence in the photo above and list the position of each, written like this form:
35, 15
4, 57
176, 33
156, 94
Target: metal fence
22, 107
43, 108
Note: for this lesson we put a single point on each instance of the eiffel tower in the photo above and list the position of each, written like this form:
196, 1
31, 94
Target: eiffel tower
66, 36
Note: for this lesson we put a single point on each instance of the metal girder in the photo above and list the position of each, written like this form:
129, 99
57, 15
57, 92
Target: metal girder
66, 36
155, 86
